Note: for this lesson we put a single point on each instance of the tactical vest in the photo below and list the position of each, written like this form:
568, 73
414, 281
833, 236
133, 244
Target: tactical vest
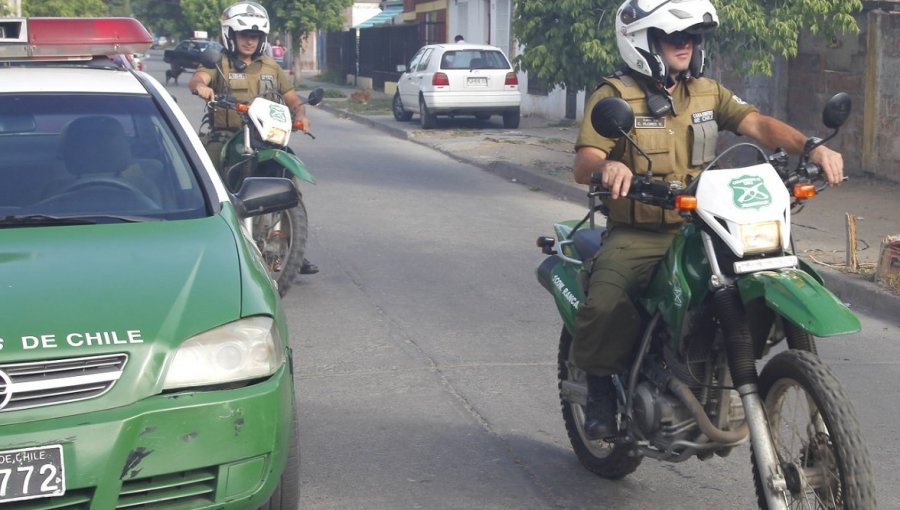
679, 145
245, 86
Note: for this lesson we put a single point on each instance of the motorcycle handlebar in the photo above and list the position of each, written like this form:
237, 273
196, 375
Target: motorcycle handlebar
659, 193
231, 103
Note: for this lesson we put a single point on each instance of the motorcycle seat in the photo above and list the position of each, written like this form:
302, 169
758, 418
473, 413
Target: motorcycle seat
587, 241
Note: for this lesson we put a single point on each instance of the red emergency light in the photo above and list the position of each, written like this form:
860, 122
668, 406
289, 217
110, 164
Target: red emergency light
71, 38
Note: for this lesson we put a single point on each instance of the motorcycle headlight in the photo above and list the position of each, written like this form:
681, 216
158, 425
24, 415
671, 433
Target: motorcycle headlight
761, 237
246, 349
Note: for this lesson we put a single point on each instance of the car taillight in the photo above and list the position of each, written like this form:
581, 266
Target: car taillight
440, 79
511, 79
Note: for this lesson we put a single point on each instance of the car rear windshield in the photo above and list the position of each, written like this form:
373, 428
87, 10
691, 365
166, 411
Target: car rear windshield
87, 154
474, 59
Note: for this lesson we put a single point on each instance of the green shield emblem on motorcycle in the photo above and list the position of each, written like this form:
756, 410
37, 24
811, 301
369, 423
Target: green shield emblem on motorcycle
750, 192
276, 112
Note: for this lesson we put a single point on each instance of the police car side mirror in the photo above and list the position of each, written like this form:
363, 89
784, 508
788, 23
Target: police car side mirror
210, 58
612, 117
264, 195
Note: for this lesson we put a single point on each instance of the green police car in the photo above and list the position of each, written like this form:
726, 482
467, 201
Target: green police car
144, 355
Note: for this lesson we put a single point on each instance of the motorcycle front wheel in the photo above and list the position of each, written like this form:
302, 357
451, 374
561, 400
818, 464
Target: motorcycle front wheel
281, 238
816, 436
608, 460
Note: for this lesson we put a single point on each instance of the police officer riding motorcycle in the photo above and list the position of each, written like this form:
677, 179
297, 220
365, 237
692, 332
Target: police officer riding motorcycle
667, 309
243, 73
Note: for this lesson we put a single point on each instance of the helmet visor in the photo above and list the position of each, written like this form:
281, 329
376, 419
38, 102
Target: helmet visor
679, 38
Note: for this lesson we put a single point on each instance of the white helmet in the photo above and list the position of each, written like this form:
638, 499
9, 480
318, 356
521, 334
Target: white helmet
637, 20
241, 17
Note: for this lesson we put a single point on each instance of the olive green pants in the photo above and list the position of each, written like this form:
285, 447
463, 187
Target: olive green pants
608, 325
213, 141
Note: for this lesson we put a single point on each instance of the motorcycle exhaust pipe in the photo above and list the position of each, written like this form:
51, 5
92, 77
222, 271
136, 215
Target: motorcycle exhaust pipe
684, 393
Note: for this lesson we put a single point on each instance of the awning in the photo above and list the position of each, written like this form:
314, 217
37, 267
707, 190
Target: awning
382, 18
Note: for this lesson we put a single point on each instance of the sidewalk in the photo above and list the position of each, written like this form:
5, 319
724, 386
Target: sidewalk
540, 155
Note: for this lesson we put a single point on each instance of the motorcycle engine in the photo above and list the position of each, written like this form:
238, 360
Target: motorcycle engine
660, 415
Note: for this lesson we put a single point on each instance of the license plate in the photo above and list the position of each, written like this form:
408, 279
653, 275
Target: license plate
476, 81
31, 473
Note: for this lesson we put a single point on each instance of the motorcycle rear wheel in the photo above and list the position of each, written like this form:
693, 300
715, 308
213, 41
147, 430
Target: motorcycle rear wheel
816, 435
281, 238
608, 460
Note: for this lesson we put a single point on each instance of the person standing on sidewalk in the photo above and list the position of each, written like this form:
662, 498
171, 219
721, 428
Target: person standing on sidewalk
677, 117
278, 52
246, 74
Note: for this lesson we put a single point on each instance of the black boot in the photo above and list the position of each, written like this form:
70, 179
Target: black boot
308, 267
600, 412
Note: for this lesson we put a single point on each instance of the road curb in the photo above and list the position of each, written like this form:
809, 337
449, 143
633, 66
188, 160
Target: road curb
857, 293
860, 294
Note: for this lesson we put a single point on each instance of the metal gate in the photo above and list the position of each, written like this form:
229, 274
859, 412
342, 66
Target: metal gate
382, 49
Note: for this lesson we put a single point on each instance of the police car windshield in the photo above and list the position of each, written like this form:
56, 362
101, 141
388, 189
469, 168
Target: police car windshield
93, 155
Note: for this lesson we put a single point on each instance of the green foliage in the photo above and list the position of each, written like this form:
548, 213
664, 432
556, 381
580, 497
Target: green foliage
752, 32
572, 42
204, 15
335, 93
66, 8
119, 8
179, 18
163, 17
303, 16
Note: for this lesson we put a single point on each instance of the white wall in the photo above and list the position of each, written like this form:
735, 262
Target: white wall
361, 12
469, 18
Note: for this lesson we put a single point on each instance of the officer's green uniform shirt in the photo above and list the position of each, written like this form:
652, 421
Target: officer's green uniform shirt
261, 77
679, 144
729, 111
608, 322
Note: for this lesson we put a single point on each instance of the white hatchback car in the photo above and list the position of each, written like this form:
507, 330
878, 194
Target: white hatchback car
458, 79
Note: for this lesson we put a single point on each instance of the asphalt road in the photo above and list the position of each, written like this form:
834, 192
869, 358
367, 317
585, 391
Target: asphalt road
425, 349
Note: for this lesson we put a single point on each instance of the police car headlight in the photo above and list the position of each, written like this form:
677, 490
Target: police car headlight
761, 237
246, 349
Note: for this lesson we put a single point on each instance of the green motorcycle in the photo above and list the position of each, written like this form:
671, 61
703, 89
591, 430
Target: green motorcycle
728, 290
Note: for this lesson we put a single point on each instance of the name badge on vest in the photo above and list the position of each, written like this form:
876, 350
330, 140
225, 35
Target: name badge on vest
699, 117
237, 76
649, 122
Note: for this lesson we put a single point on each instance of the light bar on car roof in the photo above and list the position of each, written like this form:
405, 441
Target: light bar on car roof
70, 38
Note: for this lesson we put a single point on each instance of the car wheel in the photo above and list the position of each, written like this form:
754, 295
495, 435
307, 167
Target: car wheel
400, 114
483, 116
511, 119
287, 492
428, 119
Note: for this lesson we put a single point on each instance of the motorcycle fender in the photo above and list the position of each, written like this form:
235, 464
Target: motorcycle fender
800, 298
561, 279
287, 160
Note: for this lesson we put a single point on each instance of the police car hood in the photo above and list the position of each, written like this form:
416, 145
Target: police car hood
134, 288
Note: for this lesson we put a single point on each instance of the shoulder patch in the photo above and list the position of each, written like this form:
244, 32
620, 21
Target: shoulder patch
738, 100
649, 122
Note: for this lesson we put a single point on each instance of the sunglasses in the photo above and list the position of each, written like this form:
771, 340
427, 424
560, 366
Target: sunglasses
679, 39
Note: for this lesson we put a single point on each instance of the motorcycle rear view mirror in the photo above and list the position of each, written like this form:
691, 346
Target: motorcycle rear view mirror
837, 110
210, 58
612, 117
315, 97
